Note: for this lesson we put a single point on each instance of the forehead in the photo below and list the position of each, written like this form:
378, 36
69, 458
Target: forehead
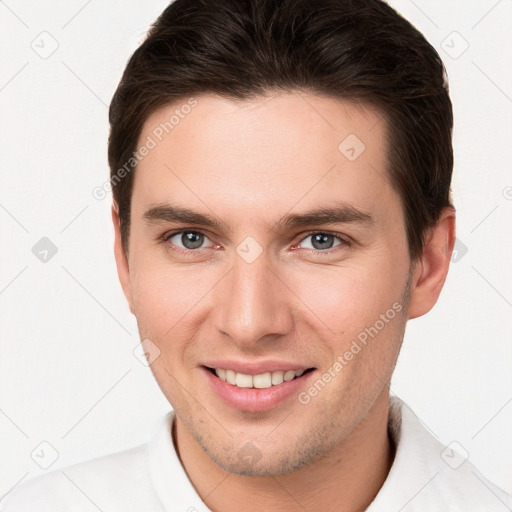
265, 155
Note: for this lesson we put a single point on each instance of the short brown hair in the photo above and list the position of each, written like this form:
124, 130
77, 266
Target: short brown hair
358, 50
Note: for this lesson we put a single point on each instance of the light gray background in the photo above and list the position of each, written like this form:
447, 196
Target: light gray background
68, 373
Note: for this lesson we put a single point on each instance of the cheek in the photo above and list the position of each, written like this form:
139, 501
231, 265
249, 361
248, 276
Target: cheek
346, 300
166, 298
167, 307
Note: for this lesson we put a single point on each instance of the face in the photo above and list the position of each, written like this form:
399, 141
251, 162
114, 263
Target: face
266, 240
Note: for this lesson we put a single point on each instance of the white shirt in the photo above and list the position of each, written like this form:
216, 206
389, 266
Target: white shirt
425, 477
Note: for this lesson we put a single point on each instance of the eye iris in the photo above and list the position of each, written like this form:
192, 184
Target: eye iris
322, 241
192, 240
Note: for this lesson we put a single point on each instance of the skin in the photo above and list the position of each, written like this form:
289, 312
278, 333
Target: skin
249, 164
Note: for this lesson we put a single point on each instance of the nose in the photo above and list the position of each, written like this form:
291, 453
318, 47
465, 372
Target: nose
254, 303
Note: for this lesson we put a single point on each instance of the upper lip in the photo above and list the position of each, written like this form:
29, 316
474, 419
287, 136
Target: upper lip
255, 367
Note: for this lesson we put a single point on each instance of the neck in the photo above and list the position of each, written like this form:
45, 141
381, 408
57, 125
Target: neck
347, 479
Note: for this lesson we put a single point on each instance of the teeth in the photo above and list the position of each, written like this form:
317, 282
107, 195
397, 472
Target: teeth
277, 378
231, 377
289, 375
261, 381
243, 381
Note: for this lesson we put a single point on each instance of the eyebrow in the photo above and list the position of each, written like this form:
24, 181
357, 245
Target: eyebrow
340, 213
178, 214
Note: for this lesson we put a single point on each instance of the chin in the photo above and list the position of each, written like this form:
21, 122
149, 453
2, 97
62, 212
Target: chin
249, 460
266, 466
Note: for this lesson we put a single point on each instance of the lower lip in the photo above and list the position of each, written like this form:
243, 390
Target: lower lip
253, 399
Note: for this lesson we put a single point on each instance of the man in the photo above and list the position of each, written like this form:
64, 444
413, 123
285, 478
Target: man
281, 179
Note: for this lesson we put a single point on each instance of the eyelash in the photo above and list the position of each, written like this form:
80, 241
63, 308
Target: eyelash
345, 241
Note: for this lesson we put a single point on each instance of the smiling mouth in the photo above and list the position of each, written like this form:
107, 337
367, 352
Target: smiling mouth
260, 381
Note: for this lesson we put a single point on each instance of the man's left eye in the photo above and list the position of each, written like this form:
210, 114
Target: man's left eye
322, 241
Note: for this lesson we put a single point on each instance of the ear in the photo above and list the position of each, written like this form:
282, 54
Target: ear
431, 268
123, 270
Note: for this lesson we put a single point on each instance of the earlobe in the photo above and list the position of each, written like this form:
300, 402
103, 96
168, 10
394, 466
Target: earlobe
431, 269
123, 270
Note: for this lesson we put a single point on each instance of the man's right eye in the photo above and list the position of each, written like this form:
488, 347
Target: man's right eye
186, 239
